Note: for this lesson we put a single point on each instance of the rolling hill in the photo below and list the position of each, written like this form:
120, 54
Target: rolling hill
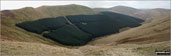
124, 10
147, 15
119, 9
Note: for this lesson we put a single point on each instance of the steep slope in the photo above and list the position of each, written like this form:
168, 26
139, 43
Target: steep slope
10, 17
155, 31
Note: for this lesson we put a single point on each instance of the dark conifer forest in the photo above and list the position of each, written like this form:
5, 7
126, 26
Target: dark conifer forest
80, 29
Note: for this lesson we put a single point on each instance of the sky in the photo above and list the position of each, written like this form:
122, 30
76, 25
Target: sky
10, 5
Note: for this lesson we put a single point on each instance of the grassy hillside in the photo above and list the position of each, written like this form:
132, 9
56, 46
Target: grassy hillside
64, 10
36, 49
28, 13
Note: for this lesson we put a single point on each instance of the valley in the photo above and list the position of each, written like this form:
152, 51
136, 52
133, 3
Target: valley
76, 30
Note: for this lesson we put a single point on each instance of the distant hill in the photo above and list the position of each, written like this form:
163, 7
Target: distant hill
101, 9
147, 15
119, 9
124, 10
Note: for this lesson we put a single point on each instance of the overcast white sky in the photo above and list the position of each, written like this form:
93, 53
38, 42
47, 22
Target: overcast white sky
93, 4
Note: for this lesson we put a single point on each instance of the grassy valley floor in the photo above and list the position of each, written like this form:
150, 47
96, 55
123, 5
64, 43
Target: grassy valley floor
11, 48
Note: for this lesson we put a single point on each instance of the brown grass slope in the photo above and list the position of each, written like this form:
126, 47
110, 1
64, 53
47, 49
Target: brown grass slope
155, 31
16, 48
11, 48
10, 17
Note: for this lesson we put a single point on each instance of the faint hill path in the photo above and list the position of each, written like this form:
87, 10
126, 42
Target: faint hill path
71, 23
68, 22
